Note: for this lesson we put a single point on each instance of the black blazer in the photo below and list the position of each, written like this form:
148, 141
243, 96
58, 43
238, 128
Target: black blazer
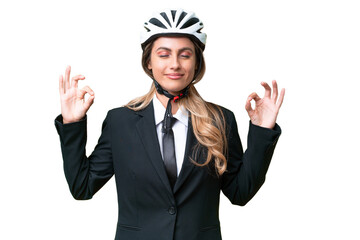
148, 208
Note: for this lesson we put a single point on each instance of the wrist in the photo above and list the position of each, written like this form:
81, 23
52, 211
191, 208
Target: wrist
69, 120
263, 125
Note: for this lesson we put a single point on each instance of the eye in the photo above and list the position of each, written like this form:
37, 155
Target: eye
163, 54
186, 54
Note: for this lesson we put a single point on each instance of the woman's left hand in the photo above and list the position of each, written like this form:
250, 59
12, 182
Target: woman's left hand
266, 108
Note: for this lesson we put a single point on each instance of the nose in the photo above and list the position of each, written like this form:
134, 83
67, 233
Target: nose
175, 64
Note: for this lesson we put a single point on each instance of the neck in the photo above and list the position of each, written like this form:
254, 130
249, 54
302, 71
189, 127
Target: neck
164, 101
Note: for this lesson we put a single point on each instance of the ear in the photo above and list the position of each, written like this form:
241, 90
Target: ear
149, 65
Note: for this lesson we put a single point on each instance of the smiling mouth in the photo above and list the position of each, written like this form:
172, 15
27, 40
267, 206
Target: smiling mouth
174, 75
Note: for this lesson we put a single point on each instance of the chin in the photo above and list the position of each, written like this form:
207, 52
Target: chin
174, 89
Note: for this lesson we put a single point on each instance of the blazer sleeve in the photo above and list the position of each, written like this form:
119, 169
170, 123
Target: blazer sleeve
246, 171
85, 175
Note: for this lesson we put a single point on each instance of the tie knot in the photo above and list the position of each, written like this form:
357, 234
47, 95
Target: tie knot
168, 123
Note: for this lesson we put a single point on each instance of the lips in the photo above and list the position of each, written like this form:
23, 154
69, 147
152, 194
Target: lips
174, 76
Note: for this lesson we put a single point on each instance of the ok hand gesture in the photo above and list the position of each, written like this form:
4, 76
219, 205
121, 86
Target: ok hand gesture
266, 108
73, 104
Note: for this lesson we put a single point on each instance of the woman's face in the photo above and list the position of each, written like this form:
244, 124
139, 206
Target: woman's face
172, 62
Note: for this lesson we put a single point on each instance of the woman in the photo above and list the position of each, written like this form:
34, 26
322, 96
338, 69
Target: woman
170, 151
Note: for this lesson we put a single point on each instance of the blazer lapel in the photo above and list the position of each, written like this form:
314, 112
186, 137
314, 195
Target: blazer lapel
147, 131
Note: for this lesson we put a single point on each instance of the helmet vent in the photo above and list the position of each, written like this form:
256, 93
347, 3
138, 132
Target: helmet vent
173, 13
165, 17
183, 14
157, 23
190, 22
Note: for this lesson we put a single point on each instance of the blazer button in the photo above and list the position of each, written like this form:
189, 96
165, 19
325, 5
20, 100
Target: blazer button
171, 210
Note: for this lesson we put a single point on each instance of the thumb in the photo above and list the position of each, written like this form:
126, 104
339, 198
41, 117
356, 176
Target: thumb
248, 107
89, 102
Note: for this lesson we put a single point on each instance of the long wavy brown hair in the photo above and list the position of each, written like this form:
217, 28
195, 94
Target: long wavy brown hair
207, 119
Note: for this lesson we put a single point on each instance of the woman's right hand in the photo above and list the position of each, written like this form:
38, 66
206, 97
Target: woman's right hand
73, 104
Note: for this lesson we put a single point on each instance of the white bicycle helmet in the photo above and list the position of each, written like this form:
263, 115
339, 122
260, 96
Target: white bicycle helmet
173, 23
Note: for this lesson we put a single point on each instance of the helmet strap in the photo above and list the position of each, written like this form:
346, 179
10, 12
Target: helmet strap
168, 112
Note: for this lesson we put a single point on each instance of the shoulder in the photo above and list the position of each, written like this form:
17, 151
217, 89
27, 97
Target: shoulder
227, 118
125, 113
121, 111
226, 113
121, 114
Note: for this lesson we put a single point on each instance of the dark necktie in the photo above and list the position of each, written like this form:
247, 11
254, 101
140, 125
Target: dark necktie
169, 150
168, 137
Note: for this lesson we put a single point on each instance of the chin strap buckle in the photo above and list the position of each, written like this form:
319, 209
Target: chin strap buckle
178, 97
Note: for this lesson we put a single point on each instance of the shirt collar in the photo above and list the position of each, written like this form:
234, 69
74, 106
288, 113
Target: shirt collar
181, 115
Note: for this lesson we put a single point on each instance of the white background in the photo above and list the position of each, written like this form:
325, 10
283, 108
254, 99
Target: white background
310, 47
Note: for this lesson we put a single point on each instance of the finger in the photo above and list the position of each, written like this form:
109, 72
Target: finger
248, 107
281, 98
254, 96
85, 90
267, 89
88, 90
89, 102
67, 77
61, 85
74, 80
275, 90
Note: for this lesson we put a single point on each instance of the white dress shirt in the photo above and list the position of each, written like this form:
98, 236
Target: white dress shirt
180, 129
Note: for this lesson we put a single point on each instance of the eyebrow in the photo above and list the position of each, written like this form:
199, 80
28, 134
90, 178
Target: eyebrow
180, 50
